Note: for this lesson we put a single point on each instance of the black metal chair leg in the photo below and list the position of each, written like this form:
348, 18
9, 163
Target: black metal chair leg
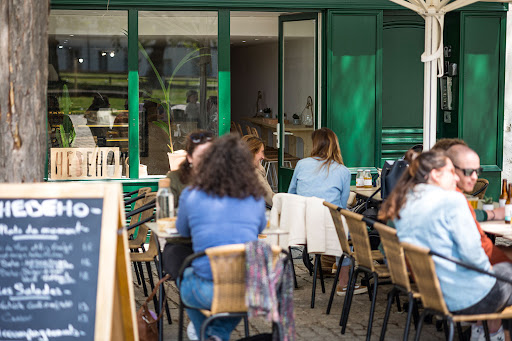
391, 295
143, 280
451, 331
321, 274
317, 260
345, 301
293, 266
180, 321
367, 279
486, 331
459, 331
415, 314
333, 290
350, 293
397, 297
372, 307
445, 328
420, 325
246, 326
152, 283
137, 276
410, 312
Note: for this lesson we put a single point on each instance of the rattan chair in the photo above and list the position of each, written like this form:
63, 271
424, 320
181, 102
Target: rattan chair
365, 263
399, 276
423, 268
228, 270
339, 222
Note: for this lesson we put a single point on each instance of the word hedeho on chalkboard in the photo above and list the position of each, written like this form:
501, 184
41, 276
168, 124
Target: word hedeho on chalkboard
47, 208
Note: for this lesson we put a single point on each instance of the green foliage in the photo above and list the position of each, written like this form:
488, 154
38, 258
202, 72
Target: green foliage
166, 90
487, 200
66, 134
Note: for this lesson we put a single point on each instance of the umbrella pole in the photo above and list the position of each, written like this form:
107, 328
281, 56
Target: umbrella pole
430, 86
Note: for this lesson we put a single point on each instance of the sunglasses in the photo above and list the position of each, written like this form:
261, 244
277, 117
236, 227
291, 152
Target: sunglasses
469, 171
201, 137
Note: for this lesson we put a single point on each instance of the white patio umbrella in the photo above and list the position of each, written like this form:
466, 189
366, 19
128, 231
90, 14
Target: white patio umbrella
433, 12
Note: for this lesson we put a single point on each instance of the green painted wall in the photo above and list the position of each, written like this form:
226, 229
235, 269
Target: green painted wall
481, 102
353, 84
402, 72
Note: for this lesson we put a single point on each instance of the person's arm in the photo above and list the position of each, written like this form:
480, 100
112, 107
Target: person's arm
182, 224
345, 189
465, 234
262, 217
481, 215
496, 214
293, 184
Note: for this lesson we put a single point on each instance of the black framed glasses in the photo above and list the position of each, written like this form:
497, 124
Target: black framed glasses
469, 171
201, 137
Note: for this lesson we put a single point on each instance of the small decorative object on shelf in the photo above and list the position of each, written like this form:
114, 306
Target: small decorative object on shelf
296, 119
307, 113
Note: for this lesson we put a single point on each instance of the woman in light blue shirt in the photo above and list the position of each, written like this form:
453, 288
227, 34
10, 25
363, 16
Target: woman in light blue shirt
324, 176
427, 211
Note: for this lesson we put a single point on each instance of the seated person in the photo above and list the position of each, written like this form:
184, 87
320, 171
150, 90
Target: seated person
427, 211
224, 205
257, 149
481, 215
323, 175
197, 142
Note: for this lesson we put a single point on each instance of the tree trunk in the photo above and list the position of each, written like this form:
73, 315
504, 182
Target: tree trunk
23, 83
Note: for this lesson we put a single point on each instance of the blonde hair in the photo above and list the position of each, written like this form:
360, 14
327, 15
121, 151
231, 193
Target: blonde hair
326, 146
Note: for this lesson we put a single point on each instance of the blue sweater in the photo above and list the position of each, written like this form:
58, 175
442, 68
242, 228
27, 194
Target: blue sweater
440, 220
311, 179
214, 221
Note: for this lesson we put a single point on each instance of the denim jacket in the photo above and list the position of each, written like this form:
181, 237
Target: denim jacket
441, 221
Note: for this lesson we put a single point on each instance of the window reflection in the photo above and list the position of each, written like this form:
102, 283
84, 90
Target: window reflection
87, 80
178, 81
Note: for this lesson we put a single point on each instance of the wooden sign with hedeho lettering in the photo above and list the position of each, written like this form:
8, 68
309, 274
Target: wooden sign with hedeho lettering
84, 163
64, 263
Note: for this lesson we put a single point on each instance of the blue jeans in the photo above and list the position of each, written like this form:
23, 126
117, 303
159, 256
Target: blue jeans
197, 292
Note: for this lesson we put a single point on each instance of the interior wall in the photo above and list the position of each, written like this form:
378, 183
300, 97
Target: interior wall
253, 68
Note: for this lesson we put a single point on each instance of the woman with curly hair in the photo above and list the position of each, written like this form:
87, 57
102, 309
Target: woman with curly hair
197, 142
257, 149
224, 205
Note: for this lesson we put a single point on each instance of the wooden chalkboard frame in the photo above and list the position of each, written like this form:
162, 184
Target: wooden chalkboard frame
115, 303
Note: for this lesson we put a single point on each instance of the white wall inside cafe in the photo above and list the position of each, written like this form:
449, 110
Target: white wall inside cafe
253, 69
507, 124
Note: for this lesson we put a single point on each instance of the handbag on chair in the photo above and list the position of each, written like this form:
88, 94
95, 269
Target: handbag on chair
146, 321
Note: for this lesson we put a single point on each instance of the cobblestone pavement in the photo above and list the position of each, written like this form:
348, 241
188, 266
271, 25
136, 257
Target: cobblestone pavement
314, 324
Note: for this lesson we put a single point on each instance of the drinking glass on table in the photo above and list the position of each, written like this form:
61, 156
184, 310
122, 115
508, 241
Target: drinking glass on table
473, 202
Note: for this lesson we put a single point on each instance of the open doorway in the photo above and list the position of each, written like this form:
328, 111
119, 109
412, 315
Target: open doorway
263, 45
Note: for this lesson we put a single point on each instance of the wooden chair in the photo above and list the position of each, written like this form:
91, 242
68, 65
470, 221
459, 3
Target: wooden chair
239, 128
248, 129
423, 268
365, 263
399, 276
131, 205
228, 270
142, 233
254, 132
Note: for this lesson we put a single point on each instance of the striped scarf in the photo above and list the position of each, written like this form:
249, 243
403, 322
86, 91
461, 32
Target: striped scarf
269, 292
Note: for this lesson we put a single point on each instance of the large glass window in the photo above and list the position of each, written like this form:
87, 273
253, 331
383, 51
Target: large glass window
178, 81
87, 84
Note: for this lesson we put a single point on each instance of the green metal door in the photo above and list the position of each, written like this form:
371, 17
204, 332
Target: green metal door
298, 54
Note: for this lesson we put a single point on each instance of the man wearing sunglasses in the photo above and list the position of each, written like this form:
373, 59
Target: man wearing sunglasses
467, 166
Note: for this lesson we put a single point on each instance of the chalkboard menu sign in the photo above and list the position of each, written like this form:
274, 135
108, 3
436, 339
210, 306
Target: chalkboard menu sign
50, 255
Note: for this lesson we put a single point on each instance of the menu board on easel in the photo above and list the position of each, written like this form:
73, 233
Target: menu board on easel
64, 270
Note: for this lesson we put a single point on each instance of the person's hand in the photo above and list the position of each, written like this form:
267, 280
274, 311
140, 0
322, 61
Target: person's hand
496, 214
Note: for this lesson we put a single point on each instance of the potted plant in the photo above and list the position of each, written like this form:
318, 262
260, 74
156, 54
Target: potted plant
175, 157
488, 204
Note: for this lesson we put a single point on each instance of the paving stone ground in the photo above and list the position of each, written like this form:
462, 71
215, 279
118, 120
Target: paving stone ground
314, 324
